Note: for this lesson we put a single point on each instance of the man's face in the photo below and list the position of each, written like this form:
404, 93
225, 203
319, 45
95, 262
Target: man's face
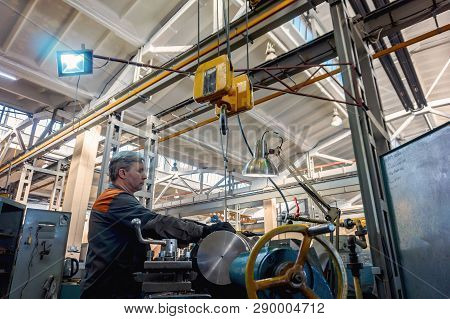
135, 177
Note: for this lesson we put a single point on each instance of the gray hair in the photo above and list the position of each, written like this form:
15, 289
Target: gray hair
123, 159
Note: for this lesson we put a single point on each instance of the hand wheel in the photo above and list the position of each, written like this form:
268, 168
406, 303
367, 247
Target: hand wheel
295, 275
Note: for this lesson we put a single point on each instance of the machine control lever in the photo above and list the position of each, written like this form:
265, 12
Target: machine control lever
137, 226
320, 229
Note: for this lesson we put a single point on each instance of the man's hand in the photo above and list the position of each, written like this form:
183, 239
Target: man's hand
216, 227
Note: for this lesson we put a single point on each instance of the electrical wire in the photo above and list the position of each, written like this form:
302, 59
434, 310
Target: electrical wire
198, 33
103, 65
226, 17
223, 131
217, 26
109, 81
247, 38
270, 179
30, 262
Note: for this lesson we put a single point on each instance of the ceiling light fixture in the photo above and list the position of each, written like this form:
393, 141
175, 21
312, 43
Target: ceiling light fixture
7, 76
74, 62
336, 121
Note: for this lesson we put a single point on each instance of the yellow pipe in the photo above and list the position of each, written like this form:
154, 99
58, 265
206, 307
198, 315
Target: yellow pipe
145, 85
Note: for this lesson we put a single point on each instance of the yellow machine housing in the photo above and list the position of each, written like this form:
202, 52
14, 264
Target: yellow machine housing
240, 97
213, 80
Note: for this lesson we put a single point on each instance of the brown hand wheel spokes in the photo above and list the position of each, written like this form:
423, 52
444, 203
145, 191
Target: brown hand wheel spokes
295, 276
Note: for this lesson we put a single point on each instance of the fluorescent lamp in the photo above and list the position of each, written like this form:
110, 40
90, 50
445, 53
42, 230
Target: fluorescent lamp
74, 62
7, 76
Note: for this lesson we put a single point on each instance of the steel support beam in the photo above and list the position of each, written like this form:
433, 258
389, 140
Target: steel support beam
267, 16
254, 198
401, 14
367, 146
361, 7
406, 63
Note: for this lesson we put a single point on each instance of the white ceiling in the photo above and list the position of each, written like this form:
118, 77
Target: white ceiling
31, 31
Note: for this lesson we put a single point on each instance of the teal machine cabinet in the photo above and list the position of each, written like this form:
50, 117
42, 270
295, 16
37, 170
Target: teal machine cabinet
417, 182
11, 219
40, 257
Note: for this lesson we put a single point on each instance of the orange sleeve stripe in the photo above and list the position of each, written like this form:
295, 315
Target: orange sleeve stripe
104, 200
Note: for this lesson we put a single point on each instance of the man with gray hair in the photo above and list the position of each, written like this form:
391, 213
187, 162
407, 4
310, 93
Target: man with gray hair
114, 252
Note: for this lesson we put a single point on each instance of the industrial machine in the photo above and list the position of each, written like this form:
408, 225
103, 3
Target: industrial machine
228, 265
39, 264
168, 275
11, 218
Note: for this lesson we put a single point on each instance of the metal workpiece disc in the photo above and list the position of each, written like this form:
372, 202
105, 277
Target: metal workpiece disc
216, 253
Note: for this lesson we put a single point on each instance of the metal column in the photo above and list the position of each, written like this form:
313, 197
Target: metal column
146, 136
151, 162
58, 188
24, 187
112, 143
23, 190
369, 141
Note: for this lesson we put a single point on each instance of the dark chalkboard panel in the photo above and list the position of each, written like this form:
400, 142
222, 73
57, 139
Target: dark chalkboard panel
417, 181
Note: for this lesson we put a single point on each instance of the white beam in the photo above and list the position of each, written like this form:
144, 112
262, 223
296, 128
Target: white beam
321, 145
334, 158
428, 120
271, 123
167, 26
22, 19
60, 37
354, 199
131, 4
296, 43
438, 78
431, 105
241, 11
218, 10
37, 77
213, 148
440, 113
404, 125
168, 49
103, 15
29, 92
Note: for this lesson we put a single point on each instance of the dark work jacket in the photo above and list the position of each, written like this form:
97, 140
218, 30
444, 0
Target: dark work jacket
115, 253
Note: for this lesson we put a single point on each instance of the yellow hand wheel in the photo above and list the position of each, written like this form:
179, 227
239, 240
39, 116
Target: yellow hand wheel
294, 277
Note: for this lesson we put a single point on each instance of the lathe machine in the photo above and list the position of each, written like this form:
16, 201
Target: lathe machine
228, 265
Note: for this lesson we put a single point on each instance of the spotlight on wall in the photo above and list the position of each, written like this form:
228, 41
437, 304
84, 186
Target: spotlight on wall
74, 62
336, 120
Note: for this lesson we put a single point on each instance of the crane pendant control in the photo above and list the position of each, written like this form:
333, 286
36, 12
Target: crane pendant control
240, 97
213, 80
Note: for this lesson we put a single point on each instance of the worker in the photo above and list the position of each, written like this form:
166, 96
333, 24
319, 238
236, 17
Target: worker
114, 252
